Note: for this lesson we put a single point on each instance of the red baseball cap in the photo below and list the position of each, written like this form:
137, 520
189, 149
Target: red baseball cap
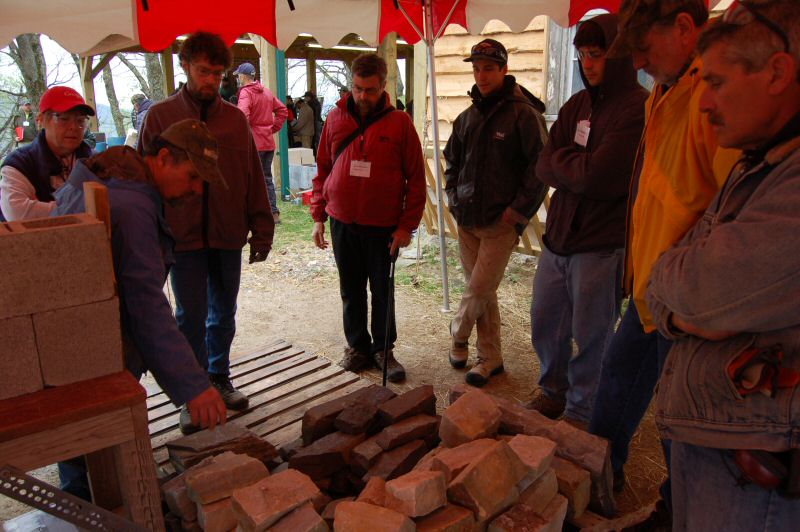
62, 99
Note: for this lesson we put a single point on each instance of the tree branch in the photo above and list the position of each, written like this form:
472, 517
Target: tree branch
135, 71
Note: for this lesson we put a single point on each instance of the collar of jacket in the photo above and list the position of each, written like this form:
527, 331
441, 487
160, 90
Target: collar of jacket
484, 103
777, 149
209, 107
350, 106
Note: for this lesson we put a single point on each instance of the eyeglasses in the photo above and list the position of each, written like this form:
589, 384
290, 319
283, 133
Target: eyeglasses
371, 91
741, 13
594, 55
80, 121
205, 72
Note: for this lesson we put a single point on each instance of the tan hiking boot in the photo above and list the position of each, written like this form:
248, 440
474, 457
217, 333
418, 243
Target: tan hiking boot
480, 373
548, 407
459, 353
354, 360
395, 372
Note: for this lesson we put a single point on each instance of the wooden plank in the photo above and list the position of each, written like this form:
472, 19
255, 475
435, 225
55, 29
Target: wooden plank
103, 478
276, 401
256, 392
256, 377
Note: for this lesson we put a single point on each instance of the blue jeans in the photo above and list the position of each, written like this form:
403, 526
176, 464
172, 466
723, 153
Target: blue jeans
574, 297
705, 495
266, 164
631, 368
206, 285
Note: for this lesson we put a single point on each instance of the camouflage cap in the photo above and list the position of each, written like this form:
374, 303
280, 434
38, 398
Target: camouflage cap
636, 17
193, 137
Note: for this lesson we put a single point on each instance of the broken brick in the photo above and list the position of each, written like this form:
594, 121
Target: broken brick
226, 472
574, 483
189, 450
522, 518
416, 493
417, 401
302, 519
261, 505
374, 492
330, 508
473, 416
398, 461
416, 427
451, 518
453, 461
426, 462
364, 454
216, 516
539, 494
535, 452
358, 418
358, 516
320, 420
327, 455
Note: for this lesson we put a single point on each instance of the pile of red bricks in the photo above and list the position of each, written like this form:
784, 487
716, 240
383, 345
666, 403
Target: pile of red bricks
391, 464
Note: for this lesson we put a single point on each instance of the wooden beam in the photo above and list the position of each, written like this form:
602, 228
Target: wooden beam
388, 51
87, 81
169, 71
311, 72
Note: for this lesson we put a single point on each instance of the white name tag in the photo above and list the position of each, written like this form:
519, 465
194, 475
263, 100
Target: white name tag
360, 168
26, 123
582, 133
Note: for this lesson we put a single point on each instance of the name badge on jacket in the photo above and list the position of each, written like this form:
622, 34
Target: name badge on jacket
582, 133
360, 168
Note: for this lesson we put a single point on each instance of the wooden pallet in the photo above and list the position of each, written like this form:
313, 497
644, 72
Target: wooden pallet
281, 381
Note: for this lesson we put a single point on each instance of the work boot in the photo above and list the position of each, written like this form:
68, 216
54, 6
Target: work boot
479, 374
185, 422
552, 408
459, 353
276, 217
354, 360
233, 398
396, 371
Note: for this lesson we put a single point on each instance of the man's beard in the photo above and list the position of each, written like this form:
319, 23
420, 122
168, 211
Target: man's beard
198, 94
364, 107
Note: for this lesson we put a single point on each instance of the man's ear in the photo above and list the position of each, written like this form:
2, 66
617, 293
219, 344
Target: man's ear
783, 72
686, 27
185, 67
164, 157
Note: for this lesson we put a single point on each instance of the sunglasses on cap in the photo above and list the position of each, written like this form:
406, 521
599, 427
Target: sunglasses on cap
741, 13
486, 49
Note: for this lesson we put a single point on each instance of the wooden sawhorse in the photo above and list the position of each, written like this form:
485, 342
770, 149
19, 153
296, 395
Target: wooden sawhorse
104, 418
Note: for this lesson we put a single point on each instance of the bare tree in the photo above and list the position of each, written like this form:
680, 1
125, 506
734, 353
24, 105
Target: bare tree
108, 81
155, 76
26, 52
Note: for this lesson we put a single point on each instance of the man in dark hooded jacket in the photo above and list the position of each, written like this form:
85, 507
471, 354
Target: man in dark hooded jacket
492, 191
588, 160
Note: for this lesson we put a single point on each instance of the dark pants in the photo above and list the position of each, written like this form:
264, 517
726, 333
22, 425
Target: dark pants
631, 368
362, 256
266, 164
206, 285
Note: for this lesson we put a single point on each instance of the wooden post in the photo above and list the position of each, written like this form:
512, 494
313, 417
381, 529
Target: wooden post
311, 72
87, 81
168, 70
420, 88
388, 51
409, 85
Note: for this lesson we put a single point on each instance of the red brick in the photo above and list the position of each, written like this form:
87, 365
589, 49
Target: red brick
453, 461
320, 420
358, 418
473, 416
261, 505
218, 479
303, 519
426, 462
417, 401
20, 372
574, 483
416, 427
374, 492
54, 263
417, 493
216, 516
67, 353
522, 518
539, 494
364, 454
451, 518
484, 485
400, 460
330, 508
327, 455
363, 517
535, 452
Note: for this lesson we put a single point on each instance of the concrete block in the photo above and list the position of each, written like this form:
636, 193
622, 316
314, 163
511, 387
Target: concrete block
417, 401
218, 479
53, 263
450, 518
539, 494
473, 416
535, 452
79, 343
303, 519
327, 455
574, 483
484, 485
374, 492
261, 505
416, 427
320, 420
216, 516
400, 460
417, 493
363, 517
453, 461
20, 372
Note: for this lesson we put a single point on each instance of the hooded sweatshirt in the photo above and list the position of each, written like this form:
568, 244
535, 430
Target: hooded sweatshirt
591, 182
265, 113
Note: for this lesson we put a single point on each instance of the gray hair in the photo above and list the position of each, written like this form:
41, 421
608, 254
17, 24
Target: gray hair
751, 45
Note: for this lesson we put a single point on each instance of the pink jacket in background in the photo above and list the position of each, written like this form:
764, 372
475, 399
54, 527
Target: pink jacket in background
265, 113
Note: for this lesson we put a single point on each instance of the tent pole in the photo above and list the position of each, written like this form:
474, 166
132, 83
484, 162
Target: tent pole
437, 156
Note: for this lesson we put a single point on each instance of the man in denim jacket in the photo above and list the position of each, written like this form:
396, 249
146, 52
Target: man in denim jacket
730, 287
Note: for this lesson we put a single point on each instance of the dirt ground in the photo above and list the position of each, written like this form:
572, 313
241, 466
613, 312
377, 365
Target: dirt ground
294, 296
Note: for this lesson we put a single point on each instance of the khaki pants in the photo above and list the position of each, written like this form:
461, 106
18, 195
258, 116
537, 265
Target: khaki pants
484, 255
